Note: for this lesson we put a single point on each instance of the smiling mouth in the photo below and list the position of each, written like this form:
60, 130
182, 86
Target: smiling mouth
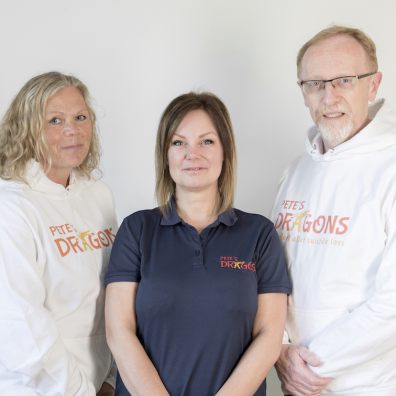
73, 147
195, 169
333, 115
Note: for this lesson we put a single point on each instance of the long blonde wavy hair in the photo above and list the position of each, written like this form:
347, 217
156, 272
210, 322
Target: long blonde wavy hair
22, 127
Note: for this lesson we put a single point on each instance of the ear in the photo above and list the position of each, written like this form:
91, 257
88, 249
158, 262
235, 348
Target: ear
374, 85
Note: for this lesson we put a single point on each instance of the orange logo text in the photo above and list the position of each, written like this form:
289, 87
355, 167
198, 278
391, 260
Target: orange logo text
234, 263
68, 240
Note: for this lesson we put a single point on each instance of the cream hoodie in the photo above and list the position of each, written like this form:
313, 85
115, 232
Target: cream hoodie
54, 249
336, 215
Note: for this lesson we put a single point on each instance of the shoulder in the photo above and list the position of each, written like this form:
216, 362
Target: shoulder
138, 225
17, 208
253, 220
13, 194
144, 216
294, 166
142, 219
251, 217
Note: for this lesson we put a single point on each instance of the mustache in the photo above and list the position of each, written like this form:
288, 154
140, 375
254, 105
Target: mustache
332, 109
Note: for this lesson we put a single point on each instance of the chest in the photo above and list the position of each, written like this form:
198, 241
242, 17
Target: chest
215, 270
73, 241
334, 200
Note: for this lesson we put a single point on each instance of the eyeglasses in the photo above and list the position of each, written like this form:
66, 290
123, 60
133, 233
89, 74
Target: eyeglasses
344, 83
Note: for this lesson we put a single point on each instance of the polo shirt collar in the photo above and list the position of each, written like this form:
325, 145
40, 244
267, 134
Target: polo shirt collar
171, 217
228, 217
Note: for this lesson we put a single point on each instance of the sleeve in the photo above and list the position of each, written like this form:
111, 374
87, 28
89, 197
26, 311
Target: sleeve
111, 377
273, 216
282, 182
32, 353
270, 264
125, 258
368, 331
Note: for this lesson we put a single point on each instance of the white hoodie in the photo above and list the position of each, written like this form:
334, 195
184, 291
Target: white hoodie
336, 215
54, 249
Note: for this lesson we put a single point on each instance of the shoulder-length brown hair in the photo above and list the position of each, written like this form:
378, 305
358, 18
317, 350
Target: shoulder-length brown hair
170, 120
22, 127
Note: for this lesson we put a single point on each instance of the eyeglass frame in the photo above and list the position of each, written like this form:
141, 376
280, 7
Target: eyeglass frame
357, 77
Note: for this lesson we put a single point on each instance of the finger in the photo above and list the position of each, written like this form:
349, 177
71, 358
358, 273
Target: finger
315, 381
309, 357
305, 381
305, 376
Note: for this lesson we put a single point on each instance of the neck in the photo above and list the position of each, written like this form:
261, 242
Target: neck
342, 135
198, 209
62, 178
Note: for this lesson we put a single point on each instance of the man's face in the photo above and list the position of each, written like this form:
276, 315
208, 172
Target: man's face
338, 114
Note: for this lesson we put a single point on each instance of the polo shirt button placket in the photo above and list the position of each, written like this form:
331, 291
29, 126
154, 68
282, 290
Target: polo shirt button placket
198, 261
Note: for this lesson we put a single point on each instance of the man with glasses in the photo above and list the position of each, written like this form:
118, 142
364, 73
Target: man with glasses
336, 214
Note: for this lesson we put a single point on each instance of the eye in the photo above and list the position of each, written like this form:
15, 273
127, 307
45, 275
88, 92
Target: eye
177, 143
345, 81
55, 121
313, 83
206, 142
81, 117
312, 86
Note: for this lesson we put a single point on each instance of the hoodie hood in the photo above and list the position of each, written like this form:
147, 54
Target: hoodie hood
37, 180
379, 134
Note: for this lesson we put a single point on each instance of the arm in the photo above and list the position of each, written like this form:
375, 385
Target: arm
32, 351
264, 349
137, 371
111, 377
368, 331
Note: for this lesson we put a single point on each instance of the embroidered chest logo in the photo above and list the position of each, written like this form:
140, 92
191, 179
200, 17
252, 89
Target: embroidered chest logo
68, 239
235, 263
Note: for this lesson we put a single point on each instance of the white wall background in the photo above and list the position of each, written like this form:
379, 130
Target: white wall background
135, 56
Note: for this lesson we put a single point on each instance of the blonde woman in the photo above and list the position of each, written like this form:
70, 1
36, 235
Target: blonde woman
57, 227
196, 290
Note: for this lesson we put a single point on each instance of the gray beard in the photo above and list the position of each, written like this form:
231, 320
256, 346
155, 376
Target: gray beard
332, 137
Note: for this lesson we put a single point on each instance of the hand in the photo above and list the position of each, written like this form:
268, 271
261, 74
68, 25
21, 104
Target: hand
106, 390
296, 377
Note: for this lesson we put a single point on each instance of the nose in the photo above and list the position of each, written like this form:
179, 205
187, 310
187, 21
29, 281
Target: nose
70, 127
330, 94
192, 152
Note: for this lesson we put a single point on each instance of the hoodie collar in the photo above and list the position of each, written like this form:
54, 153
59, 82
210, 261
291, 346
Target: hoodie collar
38, 181
379, 134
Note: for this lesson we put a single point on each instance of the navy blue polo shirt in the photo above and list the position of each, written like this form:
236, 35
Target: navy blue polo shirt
197, 296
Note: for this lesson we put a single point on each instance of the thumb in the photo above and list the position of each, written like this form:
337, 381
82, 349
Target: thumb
309, 357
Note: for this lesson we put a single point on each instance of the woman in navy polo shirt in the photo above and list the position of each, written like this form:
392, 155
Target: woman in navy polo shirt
196, 290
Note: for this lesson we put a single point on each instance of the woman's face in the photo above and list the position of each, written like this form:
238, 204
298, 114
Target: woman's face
68, 132
195, 155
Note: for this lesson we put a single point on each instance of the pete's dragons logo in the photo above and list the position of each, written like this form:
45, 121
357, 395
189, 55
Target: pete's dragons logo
297, 218
69, 240
233, 262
